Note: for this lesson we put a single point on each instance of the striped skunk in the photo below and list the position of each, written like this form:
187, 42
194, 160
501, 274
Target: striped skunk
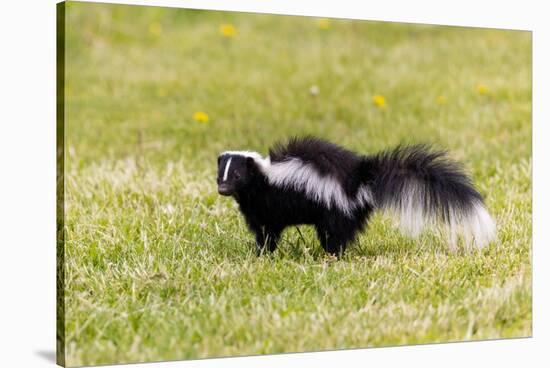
311, 181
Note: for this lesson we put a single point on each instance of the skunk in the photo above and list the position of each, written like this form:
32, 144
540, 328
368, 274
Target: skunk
311, 181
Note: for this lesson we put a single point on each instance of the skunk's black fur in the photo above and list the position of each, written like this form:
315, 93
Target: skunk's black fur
312, 181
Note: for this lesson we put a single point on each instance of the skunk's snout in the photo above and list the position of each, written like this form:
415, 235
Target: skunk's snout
224, 189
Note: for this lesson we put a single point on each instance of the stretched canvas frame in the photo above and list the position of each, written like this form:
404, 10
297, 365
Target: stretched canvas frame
496, 147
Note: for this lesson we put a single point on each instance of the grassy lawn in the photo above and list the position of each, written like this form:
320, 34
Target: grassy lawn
159, 266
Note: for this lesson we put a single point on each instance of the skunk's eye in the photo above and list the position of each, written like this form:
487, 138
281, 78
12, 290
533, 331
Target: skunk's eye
236, 175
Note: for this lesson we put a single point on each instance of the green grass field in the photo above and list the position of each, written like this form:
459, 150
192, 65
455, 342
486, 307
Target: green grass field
159, 266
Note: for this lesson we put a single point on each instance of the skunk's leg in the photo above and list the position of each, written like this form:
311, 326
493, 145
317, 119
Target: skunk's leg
266, 239
336, 231
333, 240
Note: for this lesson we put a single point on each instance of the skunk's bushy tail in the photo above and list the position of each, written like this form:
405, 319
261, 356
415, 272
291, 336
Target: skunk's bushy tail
423, 188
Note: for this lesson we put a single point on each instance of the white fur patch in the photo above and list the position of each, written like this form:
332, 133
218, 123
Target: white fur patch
474, 227
479, 226
364, 195
298, 176
262, 162
226, 169
410, 210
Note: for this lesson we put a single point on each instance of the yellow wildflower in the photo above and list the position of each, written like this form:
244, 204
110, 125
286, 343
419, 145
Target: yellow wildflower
482, 89
379, 101
324, 23
155, 29
201, 117
228, 30
441, 100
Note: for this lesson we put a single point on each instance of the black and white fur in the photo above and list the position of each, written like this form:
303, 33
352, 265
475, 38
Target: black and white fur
312, 181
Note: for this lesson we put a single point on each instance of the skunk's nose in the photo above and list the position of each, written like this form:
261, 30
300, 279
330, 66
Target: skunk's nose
224, 189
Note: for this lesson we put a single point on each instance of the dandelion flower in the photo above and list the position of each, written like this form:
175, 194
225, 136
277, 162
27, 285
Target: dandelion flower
323, 23
201, 117
314, 90
379, 101
441, 100
482, 89
228, 30
155, 29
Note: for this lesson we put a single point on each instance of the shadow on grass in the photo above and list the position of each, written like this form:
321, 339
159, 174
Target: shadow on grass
305, 248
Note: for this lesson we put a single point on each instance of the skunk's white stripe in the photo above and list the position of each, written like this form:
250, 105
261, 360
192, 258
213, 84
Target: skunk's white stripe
364, 195
296, 175
254, 155
226, 169
262, 162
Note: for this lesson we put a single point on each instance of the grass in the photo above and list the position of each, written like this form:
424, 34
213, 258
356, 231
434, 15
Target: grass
159, 266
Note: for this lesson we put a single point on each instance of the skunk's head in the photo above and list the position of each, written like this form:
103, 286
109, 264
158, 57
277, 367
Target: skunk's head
235, 171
